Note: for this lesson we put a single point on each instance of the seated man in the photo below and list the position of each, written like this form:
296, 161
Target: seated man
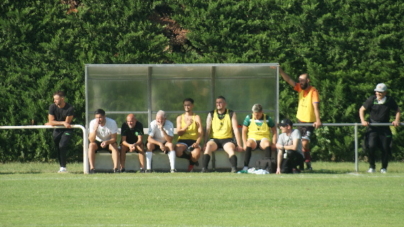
258, 131
161, 133
103, 131
221, 124
132, 132
289, 147
189, 129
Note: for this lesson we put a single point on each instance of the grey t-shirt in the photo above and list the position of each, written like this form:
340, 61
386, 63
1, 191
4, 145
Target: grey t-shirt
286, 140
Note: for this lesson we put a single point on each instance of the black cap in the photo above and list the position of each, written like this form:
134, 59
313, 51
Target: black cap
286, 122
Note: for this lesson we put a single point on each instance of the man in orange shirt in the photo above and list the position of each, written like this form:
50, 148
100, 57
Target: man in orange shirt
307, 111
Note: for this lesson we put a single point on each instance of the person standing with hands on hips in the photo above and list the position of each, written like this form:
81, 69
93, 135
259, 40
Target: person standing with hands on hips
380, 106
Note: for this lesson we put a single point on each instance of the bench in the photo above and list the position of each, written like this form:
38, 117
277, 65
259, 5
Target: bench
160, 162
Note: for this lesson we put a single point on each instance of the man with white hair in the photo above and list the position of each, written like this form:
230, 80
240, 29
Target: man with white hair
380, 107
161, 133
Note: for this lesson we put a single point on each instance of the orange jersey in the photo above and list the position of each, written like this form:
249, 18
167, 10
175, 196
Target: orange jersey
305, 110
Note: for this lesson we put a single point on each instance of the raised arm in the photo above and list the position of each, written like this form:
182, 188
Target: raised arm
287, 78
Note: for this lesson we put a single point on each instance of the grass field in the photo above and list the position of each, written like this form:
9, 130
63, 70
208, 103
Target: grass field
32, 194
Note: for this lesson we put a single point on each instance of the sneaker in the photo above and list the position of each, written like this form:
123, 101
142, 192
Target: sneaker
173, 171
92, 171
204, 170
191, 168
371, 170
116, 170
148, 171
141, 170
383, 170
62, 170
243, 171
122, 170
233, 170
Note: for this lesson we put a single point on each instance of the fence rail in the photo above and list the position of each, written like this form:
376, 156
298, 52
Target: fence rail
85, 140
83, 129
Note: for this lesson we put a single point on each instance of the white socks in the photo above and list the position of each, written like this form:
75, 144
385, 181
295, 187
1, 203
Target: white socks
171, 157
149, 156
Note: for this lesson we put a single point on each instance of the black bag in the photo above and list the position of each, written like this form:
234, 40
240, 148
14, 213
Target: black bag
264, 164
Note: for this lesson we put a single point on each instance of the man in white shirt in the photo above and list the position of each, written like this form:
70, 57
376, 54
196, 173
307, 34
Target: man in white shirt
103, 133
161, 134
289, 147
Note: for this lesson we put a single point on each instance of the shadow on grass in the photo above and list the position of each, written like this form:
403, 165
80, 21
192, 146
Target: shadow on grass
22, 172
326, 171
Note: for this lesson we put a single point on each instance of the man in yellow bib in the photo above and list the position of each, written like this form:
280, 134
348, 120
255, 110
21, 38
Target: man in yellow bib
307, 111
221, 124
259, 130
189, 130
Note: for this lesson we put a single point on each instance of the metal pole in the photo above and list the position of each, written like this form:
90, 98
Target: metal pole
356, 148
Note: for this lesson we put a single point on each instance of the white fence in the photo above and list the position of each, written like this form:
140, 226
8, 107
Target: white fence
85, 140
83, 129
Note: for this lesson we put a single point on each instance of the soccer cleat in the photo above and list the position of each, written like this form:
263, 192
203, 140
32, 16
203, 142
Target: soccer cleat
116, 170
204, 170
295, 171
371, 170
122, 170
383, 170
62, 170
309, 169
191, 168
173, 171
233, 170
196, 163
92, 171
148, 171
141, 170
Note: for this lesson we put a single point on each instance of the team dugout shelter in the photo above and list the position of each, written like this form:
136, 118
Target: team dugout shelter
144, 89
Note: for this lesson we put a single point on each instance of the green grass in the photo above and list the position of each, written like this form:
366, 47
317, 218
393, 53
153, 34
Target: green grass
32, 194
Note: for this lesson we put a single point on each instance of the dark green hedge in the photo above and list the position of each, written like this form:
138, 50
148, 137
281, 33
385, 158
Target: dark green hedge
347, 47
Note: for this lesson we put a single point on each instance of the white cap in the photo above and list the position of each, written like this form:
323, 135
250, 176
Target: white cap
381, 87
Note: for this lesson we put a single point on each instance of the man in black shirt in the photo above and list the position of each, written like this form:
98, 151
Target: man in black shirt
61, 114
132, 132
380, 107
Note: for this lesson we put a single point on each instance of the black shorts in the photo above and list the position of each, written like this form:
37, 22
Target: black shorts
221, 142
99, 148
305, 131
186, 142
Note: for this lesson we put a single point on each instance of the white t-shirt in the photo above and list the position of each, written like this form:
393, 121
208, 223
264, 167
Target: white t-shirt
286, 140
156, 133
104, 132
